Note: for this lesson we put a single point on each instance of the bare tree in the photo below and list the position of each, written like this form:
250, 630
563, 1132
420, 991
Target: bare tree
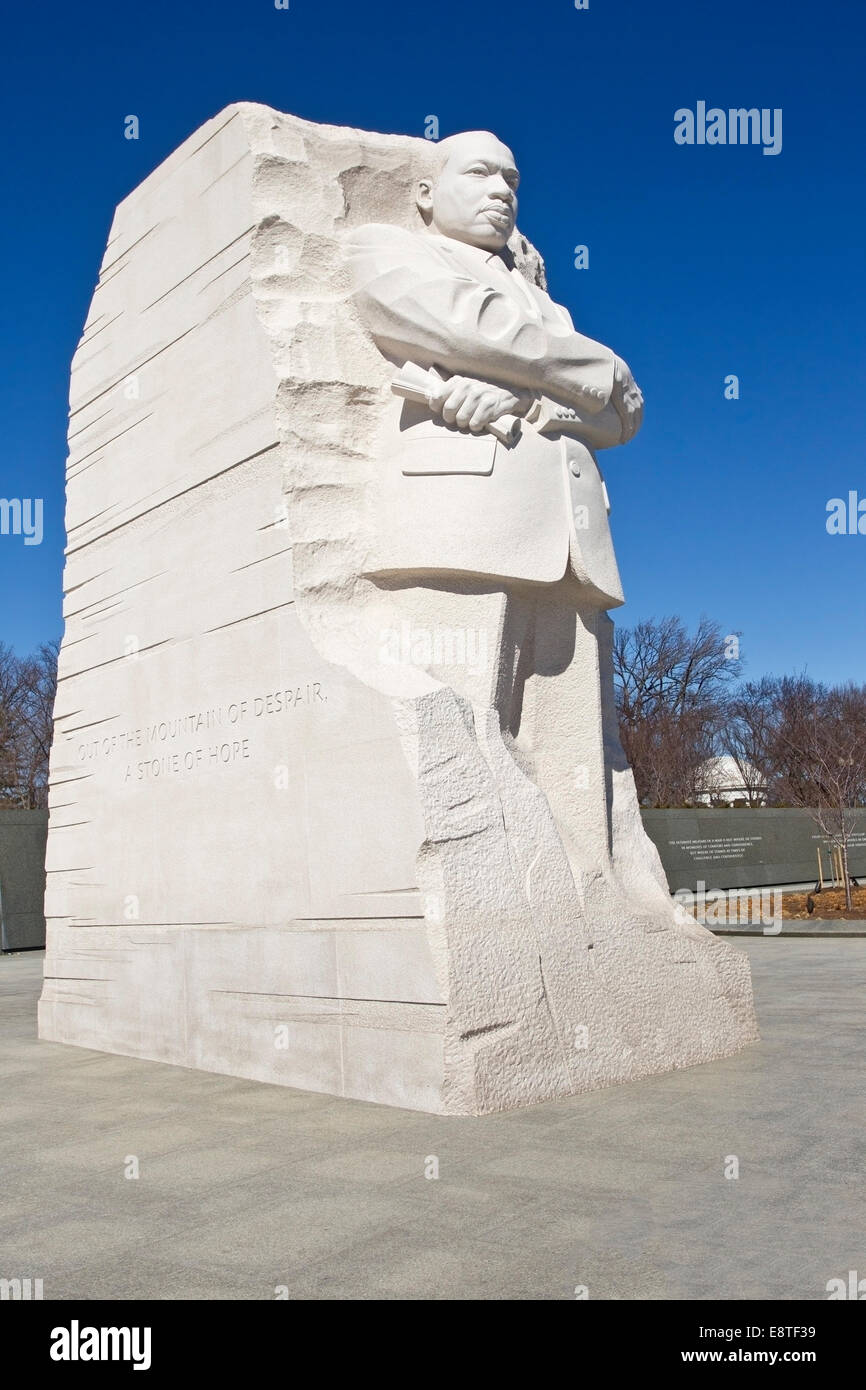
28, 686
745, 732
809, 742
672, 696
11, 700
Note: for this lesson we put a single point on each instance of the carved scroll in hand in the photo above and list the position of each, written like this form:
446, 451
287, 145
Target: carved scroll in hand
415, 384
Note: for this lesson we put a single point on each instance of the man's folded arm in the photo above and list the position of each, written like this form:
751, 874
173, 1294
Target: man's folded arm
419, 310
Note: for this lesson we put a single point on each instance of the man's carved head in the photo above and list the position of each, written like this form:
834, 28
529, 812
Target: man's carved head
472, 197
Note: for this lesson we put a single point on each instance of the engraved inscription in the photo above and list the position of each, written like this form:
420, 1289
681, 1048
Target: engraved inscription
163, 741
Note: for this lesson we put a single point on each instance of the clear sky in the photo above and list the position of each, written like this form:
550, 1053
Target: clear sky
703, 260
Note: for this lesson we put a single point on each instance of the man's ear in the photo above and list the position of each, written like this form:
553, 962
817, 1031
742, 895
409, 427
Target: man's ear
424, 198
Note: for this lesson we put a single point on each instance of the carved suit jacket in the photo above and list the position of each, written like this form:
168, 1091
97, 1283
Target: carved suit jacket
452, 502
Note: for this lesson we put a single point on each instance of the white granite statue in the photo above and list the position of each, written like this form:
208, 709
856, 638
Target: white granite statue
337, 795
488, 517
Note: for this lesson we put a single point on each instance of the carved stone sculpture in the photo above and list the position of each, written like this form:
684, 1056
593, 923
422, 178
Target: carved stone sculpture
337, 795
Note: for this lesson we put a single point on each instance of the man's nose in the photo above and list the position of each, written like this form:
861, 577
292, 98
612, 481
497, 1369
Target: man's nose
500, 189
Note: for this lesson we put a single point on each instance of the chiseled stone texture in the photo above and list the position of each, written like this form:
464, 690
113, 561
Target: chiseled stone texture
270, 853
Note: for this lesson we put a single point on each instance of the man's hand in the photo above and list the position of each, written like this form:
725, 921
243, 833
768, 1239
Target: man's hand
471, 405
626, 400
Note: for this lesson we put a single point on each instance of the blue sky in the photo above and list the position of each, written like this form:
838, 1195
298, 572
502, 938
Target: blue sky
704, 261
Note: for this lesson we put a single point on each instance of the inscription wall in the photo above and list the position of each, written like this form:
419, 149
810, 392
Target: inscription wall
745, 848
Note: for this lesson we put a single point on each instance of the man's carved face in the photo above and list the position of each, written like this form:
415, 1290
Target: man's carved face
474, 199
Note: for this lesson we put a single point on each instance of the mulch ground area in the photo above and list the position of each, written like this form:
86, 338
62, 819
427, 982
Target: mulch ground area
827, 905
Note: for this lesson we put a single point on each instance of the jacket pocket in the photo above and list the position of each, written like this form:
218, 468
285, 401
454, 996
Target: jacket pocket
445, 451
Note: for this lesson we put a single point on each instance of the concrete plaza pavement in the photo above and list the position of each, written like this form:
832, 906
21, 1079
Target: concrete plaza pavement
244, 1189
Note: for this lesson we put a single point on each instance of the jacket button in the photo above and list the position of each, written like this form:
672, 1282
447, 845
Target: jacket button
575, 468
